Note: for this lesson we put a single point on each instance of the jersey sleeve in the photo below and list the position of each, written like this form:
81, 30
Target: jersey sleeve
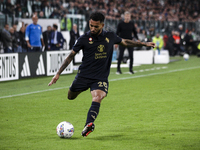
117, 39
78, 45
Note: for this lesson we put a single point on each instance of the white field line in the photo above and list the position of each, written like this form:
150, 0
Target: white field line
125, 78
22, 94
151, 74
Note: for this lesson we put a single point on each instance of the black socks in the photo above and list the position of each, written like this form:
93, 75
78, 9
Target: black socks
93, 112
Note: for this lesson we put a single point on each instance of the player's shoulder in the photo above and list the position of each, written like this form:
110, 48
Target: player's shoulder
109, 33
83, 38
85, 35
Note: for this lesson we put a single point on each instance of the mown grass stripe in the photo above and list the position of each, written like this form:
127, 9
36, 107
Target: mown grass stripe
131, 77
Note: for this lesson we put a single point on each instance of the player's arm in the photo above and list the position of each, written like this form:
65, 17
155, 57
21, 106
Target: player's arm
131, 43
27, 37
66, 62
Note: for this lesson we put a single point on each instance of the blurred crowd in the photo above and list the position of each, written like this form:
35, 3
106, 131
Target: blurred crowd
12, 40
179, 41
17, 41
170, 10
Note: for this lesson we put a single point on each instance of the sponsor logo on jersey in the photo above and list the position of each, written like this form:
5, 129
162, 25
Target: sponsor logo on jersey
100, 48
90, 41
100, 54
107, 40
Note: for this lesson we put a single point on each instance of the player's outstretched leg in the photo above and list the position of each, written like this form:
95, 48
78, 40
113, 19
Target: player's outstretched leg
97, 96
88, 129
91, 116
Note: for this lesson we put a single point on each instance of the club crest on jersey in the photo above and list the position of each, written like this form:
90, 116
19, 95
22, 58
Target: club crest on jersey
90, 41
100, 48
107, 40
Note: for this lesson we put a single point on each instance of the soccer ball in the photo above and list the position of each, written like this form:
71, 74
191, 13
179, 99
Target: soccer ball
186, 56
65, 129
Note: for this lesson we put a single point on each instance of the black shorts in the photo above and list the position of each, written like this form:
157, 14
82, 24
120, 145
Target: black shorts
82, 84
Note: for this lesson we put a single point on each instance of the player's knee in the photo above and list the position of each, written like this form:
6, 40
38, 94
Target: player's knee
98, 98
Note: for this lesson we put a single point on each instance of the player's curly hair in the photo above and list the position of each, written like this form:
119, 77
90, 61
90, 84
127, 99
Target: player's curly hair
97, 16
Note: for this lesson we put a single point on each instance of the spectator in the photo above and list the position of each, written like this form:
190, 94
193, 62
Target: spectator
9, 8
159, 42
46, 8
46, 36
36, 6
170, 44
2, 5
14, 40
18, 12
22, 39
190, 42
33, 36
145, 38
181, 34
182, 11
74, 35
6, 29
56, 39
17, 38
41, 14
180, 30
26, 25
55, 14
7, 39
177, 43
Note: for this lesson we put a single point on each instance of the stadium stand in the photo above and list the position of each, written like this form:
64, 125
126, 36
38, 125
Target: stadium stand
171, 10
153, 16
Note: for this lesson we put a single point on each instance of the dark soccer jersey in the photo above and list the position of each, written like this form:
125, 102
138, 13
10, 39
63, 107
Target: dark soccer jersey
97, 54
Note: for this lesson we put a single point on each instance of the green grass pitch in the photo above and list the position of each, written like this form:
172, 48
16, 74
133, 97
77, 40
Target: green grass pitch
157, 108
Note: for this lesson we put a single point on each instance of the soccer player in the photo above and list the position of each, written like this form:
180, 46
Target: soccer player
33, 36
97, 46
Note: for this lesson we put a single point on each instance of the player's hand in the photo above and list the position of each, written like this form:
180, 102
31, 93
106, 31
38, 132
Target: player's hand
54, 79
150, 44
